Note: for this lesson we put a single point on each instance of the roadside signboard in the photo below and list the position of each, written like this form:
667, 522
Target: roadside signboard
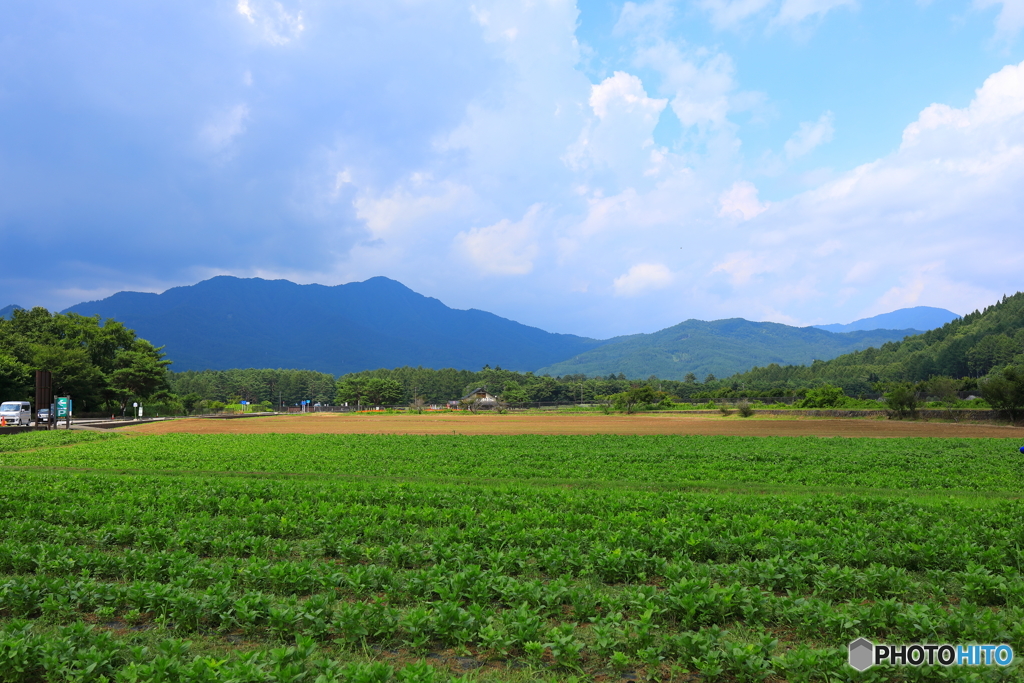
63, 406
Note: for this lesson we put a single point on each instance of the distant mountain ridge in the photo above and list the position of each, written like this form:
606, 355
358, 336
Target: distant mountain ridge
719, 347
922, 318
6, 311
228, 322
968, 347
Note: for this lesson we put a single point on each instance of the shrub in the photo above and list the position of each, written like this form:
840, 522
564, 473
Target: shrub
744, 408
901, 400
1005, 391
825, 396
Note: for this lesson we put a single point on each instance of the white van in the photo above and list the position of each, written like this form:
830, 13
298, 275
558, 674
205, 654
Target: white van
16, 412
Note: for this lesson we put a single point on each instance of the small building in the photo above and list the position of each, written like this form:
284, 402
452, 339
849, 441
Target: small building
478, 398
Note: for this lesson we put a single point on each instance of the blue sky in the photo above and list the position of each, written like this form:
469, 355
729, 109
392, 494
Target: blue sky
599, 168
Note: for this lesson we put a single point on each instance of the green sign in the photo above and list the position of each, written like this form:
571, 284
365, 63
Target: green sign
63, 406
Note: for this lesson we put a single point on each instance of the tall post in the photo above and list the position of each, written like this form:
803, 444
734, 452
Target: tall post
44, 395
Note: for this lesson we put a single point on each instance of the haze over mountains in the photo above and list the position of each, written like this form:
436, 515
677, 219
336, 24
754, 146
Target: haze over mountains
922, 318
228, 322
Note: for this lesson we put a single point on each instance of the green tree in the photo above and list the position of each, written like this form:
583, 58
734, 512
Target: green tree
633, 397
383, 391
825, 396
945, 390
514, 393
190, 401
139, 372
1004, 391
15, 378
901, 398
351, 390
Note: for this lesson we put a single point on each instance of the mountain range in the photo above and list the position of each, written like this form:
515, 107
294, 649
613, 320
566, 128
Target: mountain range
228, 322
918, 318
719, 347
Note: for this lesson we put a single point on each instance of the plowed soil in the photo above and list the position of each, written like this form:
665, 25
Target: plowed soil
448, 423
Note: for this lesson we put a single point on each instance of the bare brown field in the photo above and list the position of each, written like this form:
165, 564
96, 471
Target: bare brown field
448, 423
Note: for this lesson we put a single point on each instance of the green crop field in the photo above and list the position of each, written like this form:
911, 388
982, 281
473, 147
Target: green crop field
509, 558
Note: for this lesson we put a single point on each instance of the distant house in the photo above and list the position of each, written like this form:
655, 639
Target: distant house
479, 398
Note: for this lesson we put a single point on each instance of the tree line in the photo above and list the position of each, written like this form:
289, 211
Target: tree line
101, 366
404, 385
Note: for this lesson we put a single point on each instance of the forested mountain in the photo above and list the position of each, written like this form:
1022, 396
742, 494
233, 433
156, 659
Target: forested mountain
228, 322
971, 347
920, 318
719, 347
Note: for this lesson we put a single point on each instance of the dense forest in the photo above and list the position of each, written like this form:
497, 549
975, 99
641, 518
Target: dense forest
968, 349
102, 366
276, 387
289, 387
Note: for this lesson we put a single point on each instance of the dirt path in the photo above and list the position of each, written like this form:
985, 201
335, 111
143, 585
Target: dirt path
327, 423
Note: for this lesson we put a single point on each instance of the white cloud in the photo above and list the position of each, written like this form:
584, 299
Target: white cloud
643, 277
809, 135
625, 123
701, 83
505, 248
1010, 20
624, 92
410, 207
405, 137
276, 24
920, 225
729, 13
796, 11
744, 266
224, 127
646, 17
740, 201
999, 100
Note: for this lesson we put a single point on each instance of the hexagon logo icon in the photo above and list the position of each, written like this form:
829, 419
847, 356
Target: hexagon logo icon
862, 654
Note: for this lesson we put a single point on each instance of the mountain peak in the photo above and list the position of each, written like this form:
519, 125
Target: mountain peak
918, 318
229, 322
5, 312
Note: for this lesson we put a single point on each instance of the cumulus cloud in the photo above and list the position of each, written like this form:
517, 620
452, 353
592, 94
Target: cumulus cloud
398, 138
645, 17
701, 83
625, 121
643, 277
1010, 20
276, 25
809, 135
505, 248
926, 220
740, 201
729, 13
408, 207
796, 11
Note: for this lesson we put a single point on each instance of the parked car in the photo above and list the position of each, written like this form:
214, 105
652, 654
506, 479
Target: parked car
43, 415
16, 412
